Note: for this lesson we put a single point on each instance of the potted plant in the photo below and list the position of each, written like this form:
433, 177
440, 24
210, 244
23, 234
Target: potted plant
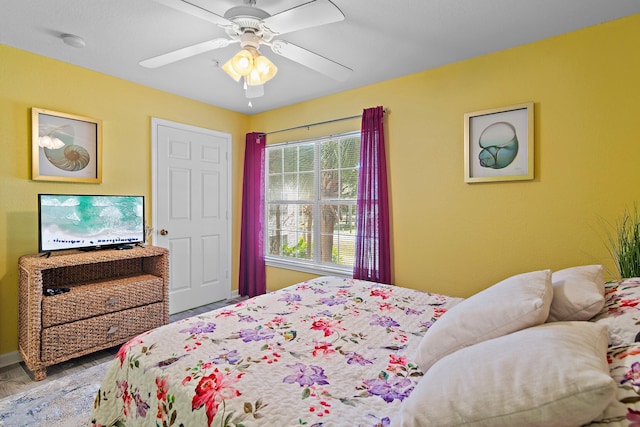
625, 243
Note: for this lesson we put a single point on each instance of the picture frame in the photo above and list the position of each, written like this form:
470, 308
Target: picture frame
499, 144
65, 147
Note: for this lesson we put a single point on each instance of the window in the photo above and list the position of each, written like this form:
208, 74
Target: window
311, 203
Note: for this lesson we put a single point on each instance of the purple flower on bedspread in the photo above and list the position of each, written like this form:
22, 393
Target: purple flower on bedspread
288, 297
306, 375
381, 422
258, 334
632, 375
426, 325
141, 406
356, 358
385, 321
410, 310
227, 356
200, 328
246, 318
333, 301
389, 389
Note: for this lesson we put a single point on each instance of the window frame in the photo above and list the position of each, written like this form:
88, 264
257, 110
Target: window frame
297, 264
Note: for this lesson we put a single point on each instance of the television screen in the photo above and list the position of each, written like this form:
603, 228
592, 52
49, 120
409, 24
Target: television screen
73, 221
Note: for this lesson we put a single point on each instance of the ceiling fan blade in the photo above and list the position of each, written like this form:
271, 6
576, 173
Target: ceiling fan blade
308, 15
254, 91
198, 11
185, 52
312, 60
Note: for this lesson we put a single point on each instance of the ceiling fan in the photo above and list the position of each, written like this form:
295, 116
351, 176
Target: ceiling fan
252, 27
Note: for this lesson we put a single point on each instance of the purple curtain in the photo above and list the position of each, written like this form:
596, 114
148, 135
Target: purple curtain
252, 280
373, 246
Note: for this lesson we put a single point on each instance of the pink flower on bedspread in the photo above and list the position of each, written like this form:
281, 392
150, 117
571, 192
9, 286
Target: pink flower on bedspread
634, 417
123, 392
212, 390
383, 293
326, 326
322, 349
161, 392
629, 302
306, 375
397, 363
124, 349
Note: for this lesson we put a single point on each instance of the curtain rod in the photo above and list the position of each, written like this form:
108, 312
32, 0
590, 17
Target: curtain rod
385, 111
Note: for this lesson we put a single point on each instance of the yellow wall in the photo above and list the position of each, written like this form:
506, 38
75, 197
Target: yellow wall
458, 238
448, 236
28, 80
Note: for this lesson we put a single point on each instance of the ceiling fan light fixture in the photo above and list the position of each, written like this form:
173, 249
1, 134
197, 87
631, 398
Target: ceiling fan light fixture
227, 69
240, 65
263, 71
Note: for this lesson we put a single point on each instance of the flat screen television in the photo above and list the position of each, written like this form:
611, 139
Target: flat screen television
87, 222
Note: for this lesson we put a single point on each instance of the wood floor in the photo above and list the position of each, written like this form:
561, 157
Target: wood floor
17, 378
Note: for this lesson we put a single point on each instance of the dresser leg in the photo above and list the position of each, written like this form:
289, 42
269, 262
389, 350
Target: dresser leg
40, 374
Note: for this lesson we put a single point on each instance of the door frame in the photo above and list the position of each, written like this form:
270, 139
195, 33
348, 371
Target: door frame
155, 122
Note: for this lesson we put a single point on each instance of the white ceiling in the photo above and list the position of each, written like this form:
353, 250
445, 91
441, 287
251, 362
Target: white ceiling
378, 40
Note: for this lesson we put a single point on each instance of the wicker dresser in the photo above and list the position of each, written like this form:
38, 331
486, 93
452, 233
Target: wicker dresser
113, 296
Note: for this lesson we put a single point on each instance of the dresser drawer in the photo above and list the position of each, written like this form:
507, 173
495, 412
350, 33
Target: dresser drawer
100, 298
116, 328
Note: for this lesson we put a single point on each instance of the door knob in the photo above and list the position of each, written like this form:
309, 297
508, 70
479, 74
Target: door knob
163, 232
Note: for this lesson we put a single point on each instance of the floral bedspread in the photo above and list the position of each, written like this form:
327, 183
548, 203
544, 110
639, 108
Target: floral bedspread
327, 352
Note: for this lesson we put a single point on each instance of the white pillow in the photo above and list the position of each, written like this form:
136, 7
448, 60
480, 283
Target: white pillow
508, 306
555, 374
578, 293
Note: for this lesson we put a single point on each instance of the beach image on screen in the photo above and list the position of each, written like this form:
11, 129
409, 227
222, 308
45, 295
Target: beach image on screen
80, 221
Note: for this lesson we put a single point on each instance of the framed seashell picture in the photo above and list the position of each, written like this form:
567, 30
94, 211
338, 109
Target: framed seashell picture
498, 144
65, 147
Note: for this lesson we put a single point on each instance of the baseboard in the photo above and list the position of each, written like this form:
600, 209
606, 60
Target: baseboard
7, 359
234, 294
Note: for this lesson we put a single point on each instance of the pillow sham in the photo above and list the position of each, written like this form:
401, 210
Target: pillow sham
508, 306
578, 293
551, 374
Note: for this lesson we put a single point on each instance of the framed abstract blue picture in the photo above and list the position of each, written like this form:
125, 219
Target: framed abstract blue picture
498, 144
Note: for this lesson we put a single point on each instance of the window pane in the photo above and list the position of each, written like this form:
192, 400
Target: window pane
275, 160
329, 184
290, 186
290, 230
349, 152
349, 184
329, 155
275, 187
338, 230
307, 158
291, 159
306, 186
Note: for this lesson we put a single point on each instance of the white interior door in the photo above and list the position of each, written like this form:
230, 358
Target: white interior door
191, 211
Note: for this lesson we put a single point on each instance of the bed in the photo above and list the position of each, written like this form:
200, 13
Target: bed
343, 352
